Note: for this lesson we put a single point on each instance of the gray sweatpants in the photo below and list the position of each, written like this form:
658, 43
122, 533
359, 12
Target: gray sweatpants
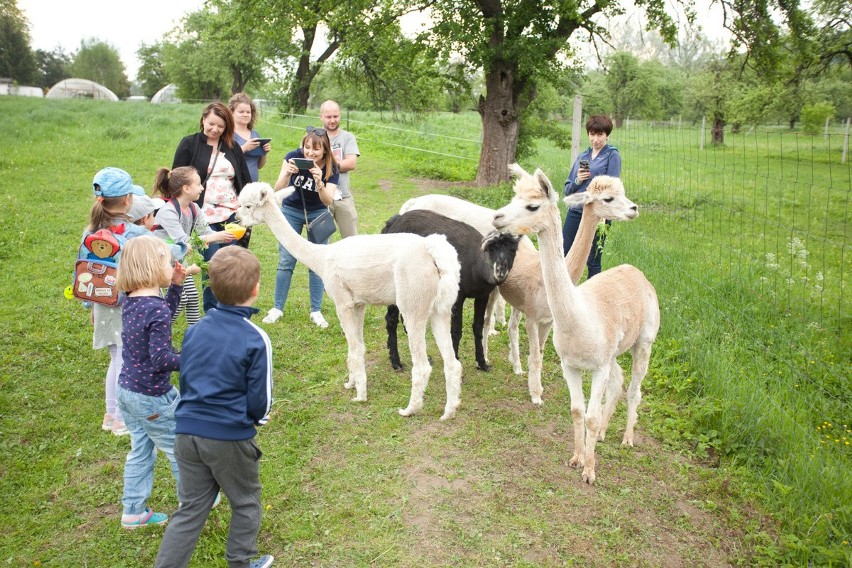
206, 466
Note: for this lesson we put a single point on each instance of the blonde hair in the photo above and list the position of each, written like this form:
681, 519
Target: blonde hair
234, 272
143, 264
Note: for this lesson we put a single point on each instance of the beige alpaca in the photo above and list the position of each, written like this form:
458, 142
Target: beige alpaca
595, 322
524, 287
418, 274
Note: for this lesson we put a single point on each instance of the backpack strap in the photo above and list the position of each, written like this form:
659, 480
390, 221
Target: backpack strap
193, 208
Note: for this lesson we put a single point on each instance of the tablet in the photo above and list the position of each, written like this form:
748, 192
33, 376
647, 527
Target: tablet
303, 163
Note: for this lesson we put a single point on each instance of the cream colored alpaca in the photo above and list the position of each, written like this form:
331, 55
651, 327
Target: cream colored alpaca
418, 274
524, 287
595, 322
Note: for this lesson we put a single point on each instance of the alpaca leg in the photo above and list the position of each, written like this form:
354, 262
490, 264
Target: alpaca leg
491, 314
456, 324
452, 367
392, 324
594, 419
574, 379
641, 356
499, 309
352, 322
514, 341
534, 362
420, 368
478, 323
613, 393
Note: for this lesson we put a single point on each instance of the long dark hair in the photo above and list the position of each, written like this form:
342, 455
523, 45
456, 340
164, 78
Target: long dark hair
323, 141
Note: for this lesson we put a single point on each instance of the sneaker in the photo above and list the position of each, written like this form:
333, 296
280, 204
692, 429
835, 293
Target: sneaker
217, 500
106, 425
317, 318
272, 316
119, 428
262, 562
144, 519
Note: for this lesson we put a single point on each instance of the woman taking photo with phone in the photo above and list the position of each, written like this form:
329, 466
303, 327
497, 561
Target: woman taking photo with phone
222, 168
598, 159
312, 170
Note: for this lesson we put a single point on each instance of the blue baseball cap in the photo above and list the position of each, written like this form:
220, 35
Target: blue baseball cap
115, 182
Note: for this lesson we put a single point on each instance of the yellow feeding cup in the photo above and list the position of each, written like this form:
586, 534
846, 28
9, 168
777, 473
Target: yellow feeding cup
237, 230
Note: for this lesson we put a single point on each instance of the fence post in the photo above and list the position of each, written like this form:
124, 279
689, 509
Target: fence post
827, 121
703, 125
845, 142
575, 128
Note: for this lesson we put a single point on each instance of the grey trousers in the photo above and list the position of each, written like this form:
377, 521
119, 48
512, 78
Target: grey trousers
206, 466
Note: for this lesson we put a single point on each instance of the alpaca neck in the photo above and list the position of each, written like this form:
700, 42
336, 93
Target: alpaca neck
561, 292
306, 252
575, 260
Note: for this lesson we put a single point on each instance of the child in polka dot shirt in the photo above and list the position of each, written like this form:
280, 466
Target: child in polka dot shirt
146, 396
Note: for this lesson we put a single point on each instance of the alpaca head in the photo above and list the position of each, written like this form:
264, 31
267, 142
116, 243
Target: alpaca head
607, 199
531, 208
501, 249
253, 198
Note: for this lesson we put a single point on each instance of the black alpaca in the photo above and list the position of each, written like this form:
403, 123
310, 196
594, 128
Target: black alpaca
485, 263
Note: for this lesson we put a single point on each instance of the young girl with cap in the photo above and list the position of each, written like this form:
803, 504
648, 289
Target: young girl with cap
114, 191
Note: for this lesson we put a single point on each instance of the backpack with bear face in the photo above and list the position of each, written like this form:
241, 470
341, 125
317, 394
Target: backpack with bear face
97, 266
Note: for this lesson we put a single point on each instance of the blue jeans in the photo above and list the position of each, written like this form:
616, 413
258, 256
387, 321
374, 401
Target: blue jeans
209, 300
569, 231
287, 262
151, 422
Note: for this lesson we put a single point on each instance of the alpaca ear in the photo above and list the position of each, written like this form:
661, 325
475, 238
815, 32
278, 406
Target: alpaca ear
577, 199
517, 171
545, 185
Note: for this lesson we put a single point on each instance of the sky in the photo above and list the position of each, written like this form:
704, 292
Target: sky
124, 25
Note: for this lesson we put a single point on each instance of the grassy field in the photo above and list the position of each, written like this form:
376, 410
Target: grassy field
729, 467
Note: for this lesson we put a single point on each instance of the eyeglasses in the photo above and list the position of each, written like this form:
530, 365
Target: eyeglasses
314, 130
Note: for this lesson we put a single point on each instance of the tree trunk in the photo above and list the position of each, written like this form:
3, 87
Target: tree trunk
500, 127
718, 131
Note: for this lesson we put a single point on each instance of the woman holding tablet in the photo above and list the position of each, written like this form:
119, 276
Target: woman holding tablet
254, 147
313, 171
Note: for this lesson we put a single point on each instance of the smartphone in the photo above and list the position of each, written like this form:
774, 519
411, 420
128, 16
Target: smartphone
584, 164
303, 163
263, 141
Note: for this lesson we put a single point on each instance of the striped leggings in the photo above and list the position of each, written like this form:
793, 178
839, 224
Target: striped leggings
189, 302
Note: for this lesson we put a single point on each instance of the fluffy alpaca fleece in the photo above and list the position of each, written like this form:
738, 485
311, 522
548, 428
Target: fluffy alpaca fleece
524, 287
595, 322
485, 263
418, 274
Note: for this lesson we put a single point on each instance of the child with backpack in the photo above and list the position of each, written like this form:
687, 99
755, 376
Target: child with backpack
145, 393
177, 218
114, 190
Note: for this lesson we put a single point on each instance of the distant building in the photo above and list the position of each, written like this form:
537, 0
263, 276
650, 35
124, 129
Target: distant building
8, 87
167, 94
80, 89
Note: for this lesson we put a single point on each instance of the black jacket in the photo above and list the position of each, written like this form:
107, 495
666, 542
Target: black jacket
194, 151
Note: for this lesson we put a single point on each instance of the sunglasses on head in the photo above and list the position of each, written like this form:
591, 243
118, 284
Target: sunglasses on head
314, 130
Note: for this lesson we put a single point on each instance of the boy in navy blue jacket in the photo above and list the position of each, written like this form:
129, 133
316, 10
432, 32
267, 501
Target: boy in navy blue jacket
226, 391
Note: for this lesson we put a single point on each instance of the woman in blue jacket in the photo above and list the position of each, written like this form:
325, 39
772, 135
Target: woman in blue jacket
599, 159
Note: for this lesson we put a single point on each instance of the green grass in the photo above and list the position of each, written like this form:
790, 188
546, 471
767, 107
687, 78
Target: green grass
733, 463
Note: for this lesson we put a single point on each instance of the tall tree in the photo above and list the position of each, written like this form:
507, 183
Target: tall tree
516, 42
16, 58
100, 62
51, 67
151, 75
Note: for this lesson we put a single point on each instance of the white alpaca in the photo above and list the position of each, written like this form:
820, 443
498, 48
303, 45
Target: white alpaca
418, 274
524, 287
595, 322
